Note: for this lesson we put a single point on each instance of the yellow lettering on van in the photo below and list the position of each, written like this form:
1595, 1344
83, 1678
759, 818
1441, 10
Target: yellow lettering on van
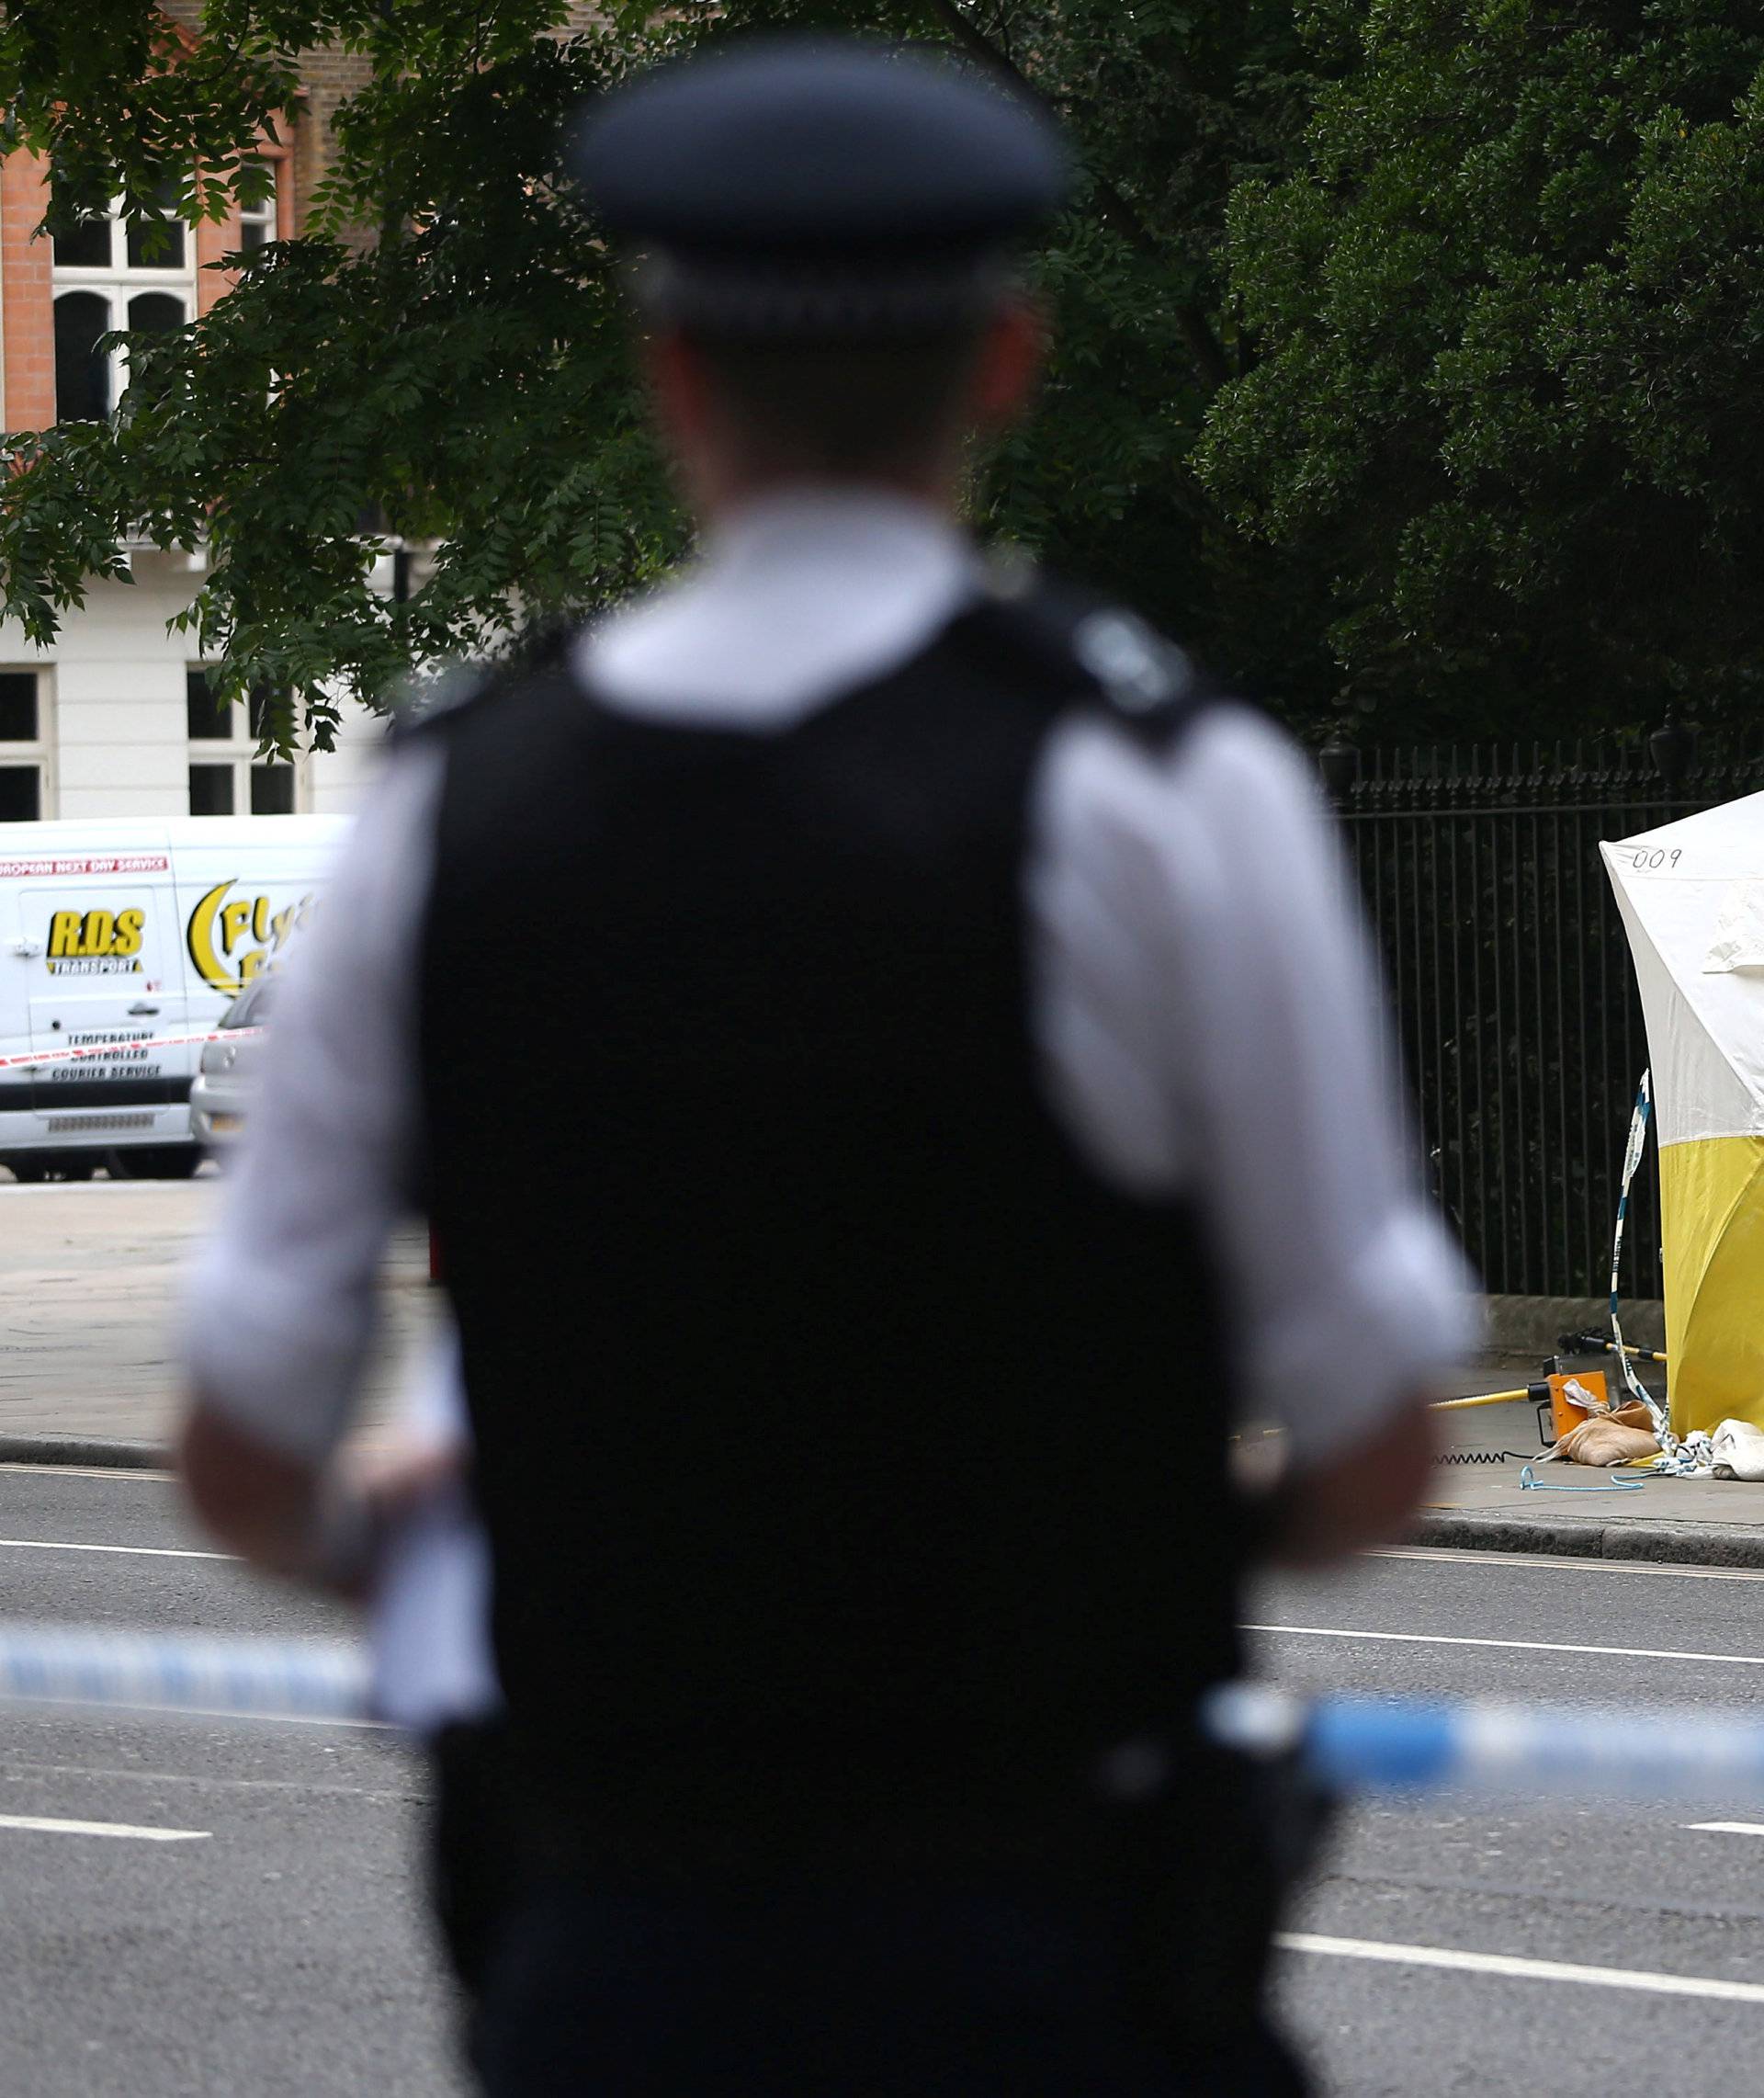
235, 918
128, 939
99, 927
208, 965
64, 933
218, 929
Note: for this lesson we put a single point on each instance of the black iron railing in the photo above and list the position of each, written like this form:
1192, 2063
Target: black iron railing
1520, 1025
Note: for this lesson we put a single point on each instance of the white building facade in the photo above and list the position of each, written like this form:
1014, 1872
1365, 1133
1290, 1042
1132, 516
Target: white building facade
115, 719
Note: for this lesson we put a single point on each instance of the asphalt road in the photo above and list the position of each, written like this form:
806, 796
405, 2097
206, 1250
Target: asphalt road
1556, 1879
274, 1943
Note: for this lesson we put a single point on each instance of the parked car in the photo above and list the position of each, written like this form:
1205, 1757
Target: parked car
226, 1072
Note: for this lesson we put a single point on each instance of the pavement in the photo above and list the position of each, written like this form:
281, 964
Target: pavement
90, 1281
1571, 1509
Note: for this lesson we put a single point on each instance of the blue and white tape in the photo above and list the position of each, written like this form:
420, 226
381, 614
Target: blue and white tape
1632, 1160
177, 1671
1353, 1744
1376, 1745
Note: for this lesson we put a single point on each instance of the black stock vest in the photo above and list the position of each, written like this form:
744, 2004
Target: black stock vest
842, 1437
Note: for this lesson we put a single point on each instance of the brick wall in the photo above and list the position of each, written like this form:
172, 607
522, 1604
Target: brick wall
328, 78
29, 342
304, 137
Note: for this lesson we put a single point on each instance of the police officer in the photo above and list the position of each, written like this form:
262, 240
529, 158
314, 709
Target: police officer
892, 1063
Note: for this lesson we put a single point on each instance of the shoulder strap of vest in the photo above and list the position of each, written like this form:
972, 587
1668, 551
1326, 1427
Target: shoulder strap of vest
1079, 645
1097, 651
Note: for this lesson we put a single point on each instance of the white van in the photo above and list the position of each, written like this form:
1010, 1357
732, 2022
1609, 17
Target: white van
120, 930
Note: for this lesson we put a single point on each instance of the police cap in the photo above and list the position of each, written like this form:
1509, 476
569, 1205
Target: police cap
808, 185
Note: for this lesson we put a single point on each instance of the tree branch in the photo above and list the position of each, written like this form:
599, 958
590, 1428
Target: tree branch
974, 42
1211, 363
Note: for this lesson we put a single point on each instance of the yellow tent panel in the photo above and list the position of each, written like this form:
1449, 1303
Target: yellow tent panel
1712, 1208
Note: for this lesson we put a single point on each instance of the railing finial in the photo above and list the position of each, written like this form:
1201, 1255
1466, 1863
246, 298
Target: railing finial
1339, 762
1673, 746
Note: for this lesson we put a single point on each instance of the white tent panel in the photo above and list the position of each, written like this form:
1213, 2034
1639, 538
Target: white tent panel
1739, 931
1692, 895
1697, 1090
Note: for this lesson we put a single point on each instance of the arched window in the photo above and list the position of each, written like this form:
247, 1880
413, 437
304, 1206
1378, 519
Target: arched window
113, 272
157, 313
83, 372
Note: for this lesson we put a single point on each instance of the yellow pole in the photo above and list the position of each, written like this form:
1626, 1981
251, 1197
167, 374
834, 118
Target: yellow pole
1482, 1398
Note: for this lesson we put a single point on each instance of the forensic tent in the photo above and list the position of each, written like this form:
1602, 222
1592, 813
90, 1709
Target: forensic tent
1692, 898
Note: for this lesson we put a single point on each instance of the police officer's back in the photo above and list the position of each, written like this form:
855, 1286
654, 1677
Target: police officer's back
856, 1279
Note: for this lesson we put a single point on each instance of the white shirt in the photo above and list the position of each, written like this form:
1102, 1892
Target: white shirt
429, 1623
1203, 1002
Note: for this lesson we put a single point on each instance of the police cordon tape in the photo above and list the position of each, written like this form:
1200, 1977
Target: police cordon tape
1413, 1747
177, 1671
88, 1049
1351, 1745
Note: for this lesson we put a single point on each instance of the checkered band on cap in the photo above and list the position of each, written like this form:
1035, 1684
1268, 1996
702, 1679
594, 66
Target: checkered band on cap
743, 298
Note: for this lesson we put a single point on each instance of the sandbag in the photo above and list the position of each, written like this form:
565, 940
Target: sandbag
1605, 1440
1738, 1448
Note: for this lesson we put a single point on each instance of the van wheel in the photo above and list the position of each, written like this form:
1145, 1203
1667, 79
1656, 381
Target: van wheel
35, 1167
154, 1162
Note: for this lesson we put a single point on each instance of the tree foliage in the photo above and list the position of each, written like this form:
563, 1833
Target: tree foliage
1509, 399
1167, 104
461, 376
1407, 351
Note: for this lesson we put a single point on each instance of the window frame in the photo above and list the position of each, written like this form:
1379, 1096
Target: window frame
265, 216
232, 751
119, 283
35, 754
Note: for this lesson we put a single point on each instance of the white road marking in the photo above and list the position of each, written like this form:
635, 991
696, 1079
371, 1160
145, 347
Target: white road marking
1516, 1970
1729, 1828
109, 1774
127, 1551
63, 1707
1443, 1555
36, 1824
45, 1188
113, 1473
1519, 1646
